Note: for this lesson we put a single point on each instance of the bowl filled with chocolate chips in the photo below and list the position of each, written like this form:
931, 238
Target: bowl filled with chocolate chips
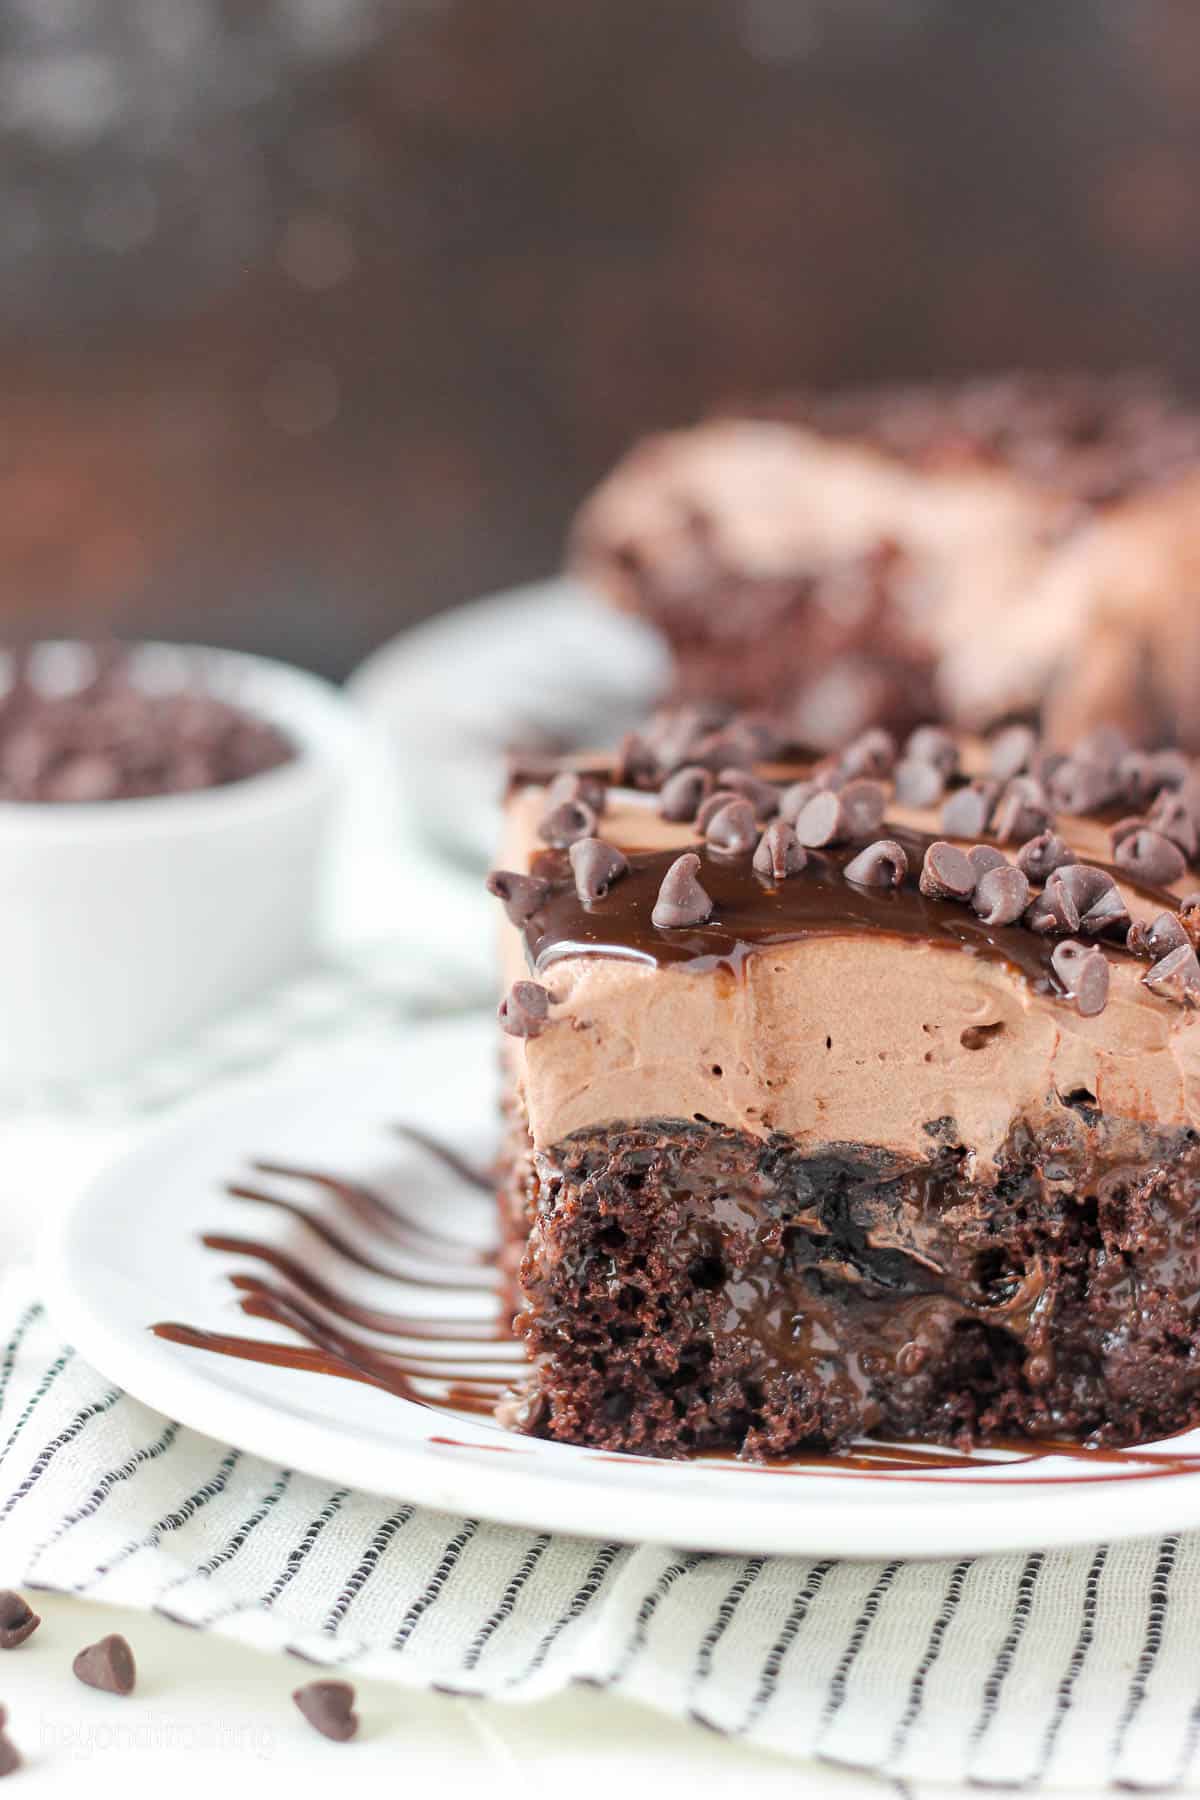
164, 814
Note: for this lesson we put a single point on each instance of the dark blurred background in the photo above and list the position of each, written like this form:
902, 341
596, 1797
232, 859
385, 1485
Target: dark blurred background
319, 315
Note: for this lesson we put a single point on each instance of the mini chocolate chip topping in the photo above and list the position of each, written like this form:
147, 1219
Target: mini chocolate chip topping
1042, 855
1001, 895
1076, 786
1083, 971
1154, 939
1125, 828
983, 857
18, 1620
1176, 976
713, 804
872, 753
681, 900
780, 852
882, 864
596, 865
822, 820
863, 806
525, 1010
967, 811
329, 1708
1172, 815
521, 895
569, 820
1079, 897
795, 798
946, 873
918, 783
635, 764
732, 828
1021, 811
684, 792
1150, 857
931, 744
108, 1665
762, 795
1011, 751
577, 785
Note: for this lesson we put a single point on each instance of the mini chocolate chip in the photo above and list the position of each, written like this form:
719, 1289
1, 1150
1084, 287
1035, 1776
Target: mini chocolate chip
1038, 859
683, 793
108, 1665
983, 857
1054, 909
1011, 751
1125, 828
732, 827
1001, 895
930, 744
967, 811
1172, 815
18, 1620
681, 899
829, 775
521, 895
882, 864
1021, 811
795, 798
1176, 976
871, 753
863, 804
635, 764
571, 784
822, 820
1138, 778
525, 1010
780, 852
1083, 971
1104, 746
762, 795
721, 797
329, 1708
946, 874
1149, 857
918, 783
1095, 895
1077, 787
1154, 938
1189, 917
566, 822
596, 865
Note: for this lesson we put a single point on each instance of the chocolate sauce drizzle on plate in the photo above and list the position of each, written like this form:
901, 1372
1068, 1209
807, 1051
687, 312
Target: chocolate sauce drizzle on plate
464, 1364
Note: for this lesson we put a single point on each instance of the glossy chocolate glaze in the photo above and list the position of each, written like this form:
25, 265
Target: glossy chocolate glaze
751, 914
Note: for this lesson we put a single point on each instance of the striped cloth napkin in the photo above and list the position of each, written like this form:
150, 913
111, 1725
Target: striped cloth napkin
1065, 1668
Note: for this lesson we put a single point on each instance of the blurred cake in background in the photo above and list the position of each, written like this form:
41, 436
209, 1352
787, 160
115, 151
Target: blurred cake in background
1018, 546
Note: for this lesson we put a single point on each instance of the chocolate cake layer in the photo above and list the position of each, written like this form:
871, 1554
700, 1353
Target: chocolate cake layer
833, 1111
979, 550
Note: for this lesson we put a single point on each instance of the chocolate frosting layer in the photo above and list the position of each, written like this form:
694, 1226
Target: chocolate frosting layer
822, 1007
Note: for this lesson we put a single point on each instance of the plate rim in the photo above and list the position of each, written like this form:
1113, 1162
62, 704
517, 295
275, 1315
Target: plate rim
187, 1387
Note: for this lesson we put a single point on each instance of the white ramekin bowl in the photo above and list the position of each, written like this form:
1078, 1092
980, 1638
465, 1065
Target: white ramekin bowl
126, 923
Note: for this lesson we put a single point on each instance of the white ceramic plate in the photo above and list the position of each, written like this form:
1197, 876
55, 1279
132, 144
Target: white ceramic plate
544, 662
128, 1253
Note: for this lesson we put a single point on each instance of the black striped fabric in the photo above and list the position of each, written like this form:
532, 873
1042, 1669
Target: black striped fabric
1073, 1669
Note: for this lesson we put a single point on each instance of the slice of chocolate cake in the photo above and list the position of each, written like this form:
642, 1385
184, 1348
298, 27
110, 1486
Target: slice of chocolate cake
856, 1097
975, 551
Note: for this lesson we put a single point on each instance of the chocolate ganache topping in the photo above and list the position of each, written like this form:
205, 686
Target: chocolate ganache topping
841, 877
